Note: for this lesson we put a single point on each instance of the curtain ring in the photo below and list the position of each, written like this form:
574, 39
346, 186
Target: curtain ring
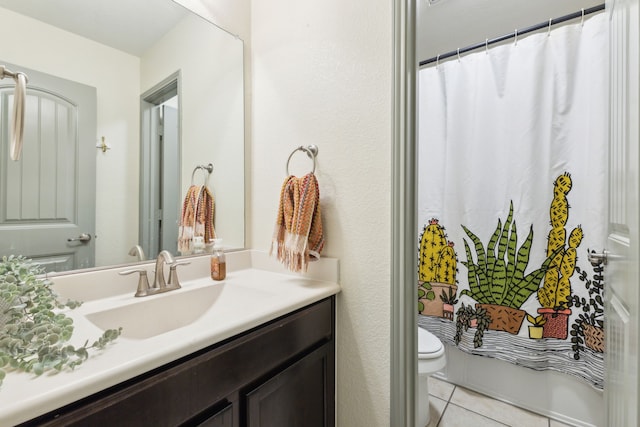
486, 46
582, 19
458, 54
437, 60
549, 29
515, 43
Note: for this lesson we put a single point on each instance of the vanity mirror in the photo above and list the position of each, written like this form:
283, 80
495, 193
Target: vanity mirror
94, 181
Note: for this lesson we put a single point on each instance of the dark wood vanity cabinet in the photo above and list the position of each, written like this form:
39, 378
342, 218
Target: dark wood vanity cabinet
281, 374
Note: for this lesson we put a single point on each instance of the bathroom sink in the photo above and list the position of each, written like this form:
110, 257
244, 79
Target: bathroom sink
80, 289
150, 316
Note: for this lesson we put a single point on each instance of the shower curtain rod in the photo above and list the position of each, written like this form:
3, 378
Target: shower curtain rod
531, 29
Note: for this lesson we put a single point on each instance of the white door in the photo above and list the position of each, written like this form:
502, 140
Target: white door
47, 198
622, 276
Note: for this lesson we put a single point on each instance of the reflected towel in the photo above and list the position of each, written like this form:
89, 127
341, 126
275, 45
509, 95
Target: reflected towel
298, 237
196, 218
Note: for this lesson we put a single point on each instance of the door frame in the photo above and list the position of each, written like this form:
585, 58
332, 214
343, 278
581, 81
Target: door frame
151, 98
404, 320
622, 362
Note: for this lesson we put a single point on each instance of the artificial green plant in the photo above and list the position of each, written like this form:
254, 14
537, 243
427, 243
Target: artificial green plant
34, 330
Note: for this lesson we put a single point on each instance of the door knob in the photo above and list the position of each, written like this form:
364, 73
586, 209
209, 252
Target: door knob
83, 237
603, 257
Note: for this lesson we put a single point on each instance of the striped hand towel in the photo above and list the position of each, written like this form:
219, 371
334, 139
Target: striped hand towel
196, 218
298, 237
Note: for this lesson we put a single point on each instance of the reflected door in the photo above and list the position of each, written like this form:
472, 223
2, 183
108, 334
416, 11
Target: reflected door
160, 203
169, 180
47, 198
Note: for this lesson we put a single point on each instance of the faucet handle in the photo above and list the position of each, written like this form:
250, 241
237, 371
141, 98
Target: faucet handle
174, 283
143, 281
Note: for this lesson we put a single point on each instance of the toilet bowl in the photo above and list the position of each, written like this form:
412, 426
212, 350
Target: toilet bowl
431, 358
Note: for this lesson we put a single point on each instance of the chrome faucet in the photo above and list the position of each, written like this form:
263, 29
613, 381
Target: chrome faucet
138, 252
164, 257
159, 283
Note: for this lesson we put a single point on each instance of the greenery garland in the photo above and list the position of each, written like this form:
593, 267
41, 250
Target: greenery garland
33, 329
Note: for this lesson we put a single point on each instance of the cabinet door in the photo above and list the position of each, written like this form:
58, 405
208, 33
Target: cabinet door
299, 396
223, 418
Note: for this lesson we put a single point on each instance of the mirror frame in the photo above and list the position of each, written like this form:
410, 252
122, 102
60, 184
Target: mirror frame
403, 218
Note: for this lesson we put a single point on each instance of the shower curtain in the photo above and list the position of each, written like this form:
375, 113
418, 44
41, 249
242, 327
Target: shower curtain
512, 196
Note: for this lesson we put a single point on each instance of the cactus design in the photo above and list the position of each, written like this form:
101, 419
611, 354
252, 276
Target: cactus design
557, 286
568, 265
560, 206
437, 261
446, 265
432, 242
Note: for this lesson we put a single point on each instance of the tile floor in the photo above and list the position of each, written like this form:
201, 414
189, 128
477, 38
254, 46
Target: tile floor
453, 406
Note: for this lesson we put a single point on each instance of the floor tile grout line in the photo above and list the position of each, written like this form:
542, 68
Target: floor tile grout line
548, 419
446, 405
452, 392
478, 413
449, 402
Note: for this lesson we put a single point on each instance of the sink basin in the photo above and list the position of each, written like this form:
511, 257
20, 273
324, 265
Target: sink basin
80, 289
149, 316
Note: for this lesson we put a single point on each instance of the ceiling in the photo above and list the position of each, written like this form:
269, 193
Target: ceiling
128, 25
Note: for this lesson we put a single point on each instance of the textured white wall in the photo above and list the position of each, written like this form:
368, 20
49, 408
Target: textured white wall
322, 74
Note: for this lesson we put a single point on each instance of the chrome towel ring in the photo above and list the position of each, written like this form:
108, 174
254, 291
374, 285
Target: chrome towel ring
312, 152
208, 168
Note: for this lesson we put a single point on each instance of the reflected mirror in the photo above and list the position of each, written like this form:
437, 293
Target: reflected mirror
126, 100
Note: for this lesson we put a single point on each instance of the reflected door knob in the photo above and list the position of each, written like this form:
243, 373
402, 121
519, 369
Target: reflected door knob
83, 237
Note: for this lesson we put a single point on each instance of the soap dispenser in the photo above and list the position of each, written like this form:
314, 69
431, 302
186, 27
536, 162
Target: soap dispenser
218, 261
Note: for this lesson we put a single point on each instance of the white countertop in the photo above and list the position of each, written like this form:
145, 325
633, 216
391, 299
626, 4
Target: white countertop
274, 292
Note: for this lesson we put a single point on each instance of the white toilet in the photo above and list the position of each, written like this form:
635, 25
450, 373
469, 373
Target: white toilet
431, 358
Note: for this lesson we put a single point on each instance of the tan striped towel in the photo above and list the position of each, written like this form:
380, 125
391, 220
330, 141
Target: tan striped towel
298, 237
196, 218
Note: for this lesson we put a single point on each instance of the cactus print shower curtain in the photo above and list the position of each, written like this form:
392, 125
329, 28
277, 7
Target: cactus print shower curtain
512, 196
